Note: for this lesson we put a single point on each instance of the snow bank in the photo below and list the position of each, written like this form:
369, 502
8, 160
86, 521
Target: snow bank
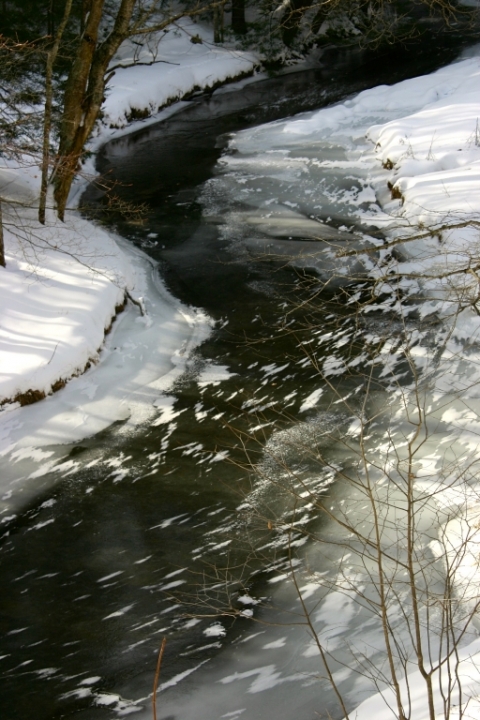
430, 158
58, 295
426, 136
383, 706
433, 156
171, 67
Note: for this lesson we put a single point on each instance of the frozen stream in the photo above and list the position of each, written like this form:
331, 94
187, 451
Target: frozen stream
140, 525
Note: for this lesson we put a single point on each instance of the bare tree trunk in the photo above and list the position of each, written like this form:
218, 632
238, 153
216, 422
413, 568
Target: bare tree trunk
84, 93
51, 18
2, 246
238, 17
47, 119
319, 19
218, 24
292, 18
73, 112
83, 14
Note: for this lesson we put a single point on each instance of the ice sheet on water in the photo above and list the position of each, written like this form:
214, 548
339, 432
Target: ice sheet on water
181, 676
214, 375
215, 630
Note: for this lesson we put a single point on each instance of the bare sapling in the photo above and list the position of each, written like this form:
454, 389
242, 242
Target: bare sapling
157, 677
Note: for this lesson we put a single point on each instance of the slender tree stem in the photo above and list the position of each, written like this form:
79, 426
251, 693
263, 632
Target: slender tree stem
2, 246
47, 119
157, 676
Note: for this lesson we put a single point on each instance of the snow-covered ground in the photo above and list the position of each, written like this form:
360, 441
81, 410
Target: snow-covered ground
427, 188
58, 294
173, 67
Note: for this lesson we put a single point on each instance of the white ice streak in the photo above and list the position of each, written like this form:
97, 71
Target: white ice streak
266, 678
181, 676
165, 405
110, 576
119, 613
311, 401
214, 375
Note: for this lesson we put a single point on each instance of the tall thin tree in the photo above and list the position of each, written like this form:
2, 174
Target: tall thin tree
2, 246
52, 53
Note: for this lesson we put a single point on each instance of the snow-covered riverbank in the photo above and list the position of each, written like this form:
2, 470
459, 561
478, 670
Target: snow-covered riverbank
420, 169
427, 189
63, 282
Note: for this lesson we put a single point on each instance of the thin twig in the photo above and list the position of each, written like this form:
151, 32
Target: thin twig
157, 676
121, 66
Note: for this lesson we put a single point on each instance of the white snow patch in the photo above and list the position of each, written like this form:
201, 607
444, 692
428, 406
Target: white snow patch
214, 375
311, 400
179, 68
119, 613
215, 630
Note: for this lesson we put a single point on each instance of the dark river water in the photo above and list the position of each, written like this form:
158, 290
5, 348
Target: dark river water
120, 551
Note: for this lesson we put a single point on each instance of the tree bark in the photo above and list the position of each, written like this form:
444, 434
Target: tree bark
51, 18
218, 24
292, 18
239, 24
47, 117
84, 93
2, 246
74, 100
85, 88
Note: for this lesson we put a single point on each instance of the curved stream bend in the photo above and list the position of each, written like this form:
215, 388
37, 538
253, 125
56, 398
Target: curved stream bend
93, 565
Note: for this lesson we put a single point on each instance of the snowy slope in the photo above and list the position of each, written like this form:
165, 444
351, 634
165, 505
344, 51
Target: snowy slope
178, 68
381, 706
63, 282
58, 295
